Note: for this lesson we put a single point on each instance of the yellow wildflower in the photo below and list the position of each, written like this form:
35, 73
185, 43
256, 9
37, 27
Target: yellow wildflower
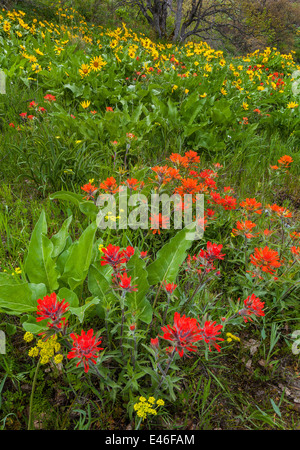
28, 337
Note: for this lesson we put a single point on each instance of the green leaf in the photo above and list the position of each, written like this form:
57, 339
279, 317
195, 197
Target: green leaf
17, 298
86, 207
136, 301
33, 326
169, 259
79, 312
39, 266
69, 296
99, 280
79, 257
275, 407
59, 239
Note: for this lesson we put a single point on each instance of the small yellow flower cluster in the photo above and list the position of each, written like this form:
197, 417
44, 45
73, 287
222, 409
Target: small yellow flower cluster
111, 217
17, 271
231, 337
147, 407
28, 336
46, 350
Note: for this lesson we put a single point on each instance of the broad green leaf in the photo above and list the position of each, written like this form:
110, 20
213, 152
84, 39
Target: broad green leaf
39, 266
59, 239
80, 311
136, 301
86, 207
33, 326
69, 296
169, 259
17, 298
99, 280
79, 257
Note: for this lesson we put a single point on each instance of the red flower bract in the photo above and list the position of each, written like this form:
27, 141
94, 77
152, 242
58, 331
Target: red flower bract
266, 259
170, 287
113, 256
51, 308
210, 331
252, 305
183, 333
212, 253
85, 347
125, 283
50, 98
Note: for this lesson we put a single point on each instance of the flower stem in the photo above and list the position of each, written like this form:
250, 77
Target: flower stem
32, 394
166, 371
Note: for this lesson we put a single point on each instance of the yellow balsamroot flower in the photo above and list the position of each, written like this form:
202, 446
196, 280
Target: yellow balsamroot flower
186, 91
223, 91
245, 106
97, 63
174, 87
38, 52
292, 105
85, 104
36, 68
28, 337
84, 70
6, 26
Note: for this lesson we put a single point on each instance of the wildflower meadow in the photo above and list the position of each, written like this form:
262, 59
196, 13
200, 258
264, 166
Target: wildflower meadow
149, 225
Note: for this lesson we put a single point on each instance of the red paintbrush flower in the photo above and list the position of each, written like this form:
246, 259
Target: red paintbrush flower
252, 305
192, 157
210, 331
51, 308
280, 211
179, 160
182, 334
85, 347
131, 183
109, 185
244, 229
159, 221
128, 253
266, 259
251, 205
212, 252
89, 189
170, 287
228, 202
50, 98
125, 283
112, 256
